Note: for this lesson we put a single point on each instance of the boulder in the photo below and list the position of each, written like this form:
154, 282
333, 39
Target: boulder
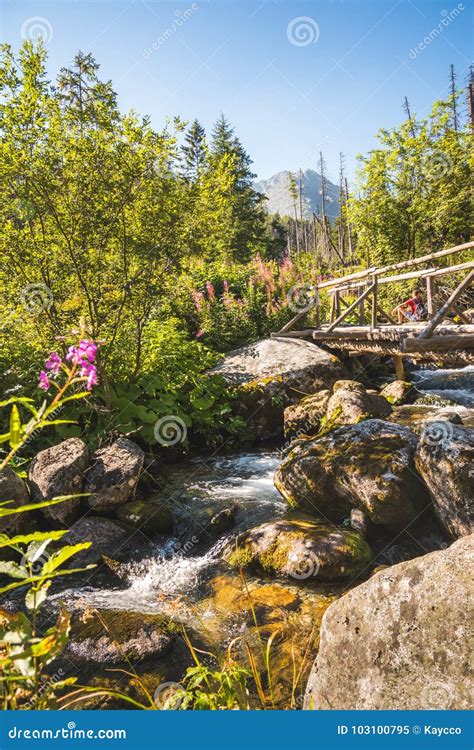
301, 550
351, 403
148, 516
119, 637
305, 417
400, 641
274, 373
113, 475
400, 392
369, 466
106, 537
445, 460
59, 470
14, 492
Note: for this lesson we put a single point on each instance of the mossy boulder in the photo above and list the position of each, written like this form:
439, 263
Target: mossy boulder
369, 466
350, 403
149, 516
445, 459
301, 550
272, 374
400, 641
120, 636
305, 417
400, 392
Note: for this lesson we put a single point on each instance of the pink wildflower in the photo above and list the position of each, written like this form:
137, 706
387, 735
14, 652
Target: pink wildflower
89, 371
226, 286
54, 362
197, 298
210, 290
88, 349
44, 381
199, 333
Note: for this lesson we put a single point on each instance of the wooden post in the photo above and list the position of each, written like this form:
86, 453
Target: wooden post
374, 303
335, 323
317, 318
399, 368
441, 314
337, 302
361, 306
430, 296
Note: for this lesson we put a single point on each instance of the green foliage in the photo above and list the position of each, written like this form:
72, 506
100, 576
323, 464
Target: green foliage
214, 690
413, 193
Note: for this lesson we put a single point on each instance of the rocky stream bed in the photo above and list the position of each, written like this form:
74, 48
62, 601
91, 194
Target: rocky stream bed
358, 515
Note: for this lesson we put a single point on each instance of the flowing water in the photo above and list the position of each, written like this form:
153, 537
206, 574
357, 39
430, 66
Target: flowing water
183, 579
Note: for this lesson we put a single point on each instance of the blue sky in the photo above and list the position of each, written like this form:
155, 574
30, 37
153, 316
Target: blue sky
292, 77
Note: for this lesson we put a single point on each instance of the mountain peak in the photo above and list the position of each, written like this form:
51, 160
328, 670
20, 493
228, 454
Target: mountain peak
276, 189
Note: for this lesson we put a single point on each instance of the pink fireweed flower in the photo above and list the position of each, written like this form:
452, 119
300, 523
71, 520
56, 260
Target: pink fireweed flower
44, 380
226, 286
199, 334
87, 349
89, 371
54, 362
197, 298
210, 290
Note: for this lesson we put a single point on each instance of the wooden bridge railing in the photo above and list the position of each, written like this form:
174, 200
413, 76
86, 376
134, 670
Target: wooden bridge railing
366, 283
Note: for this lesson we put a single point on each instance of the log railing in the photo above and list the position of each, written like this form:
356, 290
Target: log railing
366, 284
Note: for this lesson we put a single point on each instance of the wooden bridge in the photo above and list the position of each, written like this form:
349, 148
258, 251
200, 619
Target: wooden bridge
438, 338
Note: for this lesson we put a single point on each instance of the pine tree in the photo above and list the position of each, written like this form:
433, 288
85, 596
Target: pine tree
194, 150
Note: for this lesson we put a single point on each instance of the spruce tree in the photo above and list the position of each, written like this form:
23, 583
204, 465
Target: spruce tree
194, 150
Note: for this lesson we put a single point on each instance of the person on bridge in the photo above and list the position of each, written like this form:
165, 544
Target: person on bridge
412, 309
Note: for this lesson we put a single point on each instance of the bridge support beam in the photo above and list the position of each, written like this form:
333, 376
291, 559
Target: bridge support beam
399, 367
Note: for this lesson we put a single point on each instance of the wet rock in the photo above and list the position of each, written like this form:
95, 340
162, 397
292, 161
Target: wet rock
200, 519
113, 475
119, 636
400, 392
302, 550
56, 471
230, 595
432, 399
351, 403
14, 492
369, 466
106, 537
304, 418
149, 516
274, 373
445, 460
400, 641
443, 416
361, 522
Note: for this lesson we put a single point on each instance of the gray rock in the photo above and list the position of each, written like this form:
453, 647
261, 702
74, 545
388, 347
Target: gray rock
106, 537
14, 492
445, 460
351, 403
95, 636
56, 471
114, 474
305, 417
301, 549
274, 373
400, 641
369, 466
400, 392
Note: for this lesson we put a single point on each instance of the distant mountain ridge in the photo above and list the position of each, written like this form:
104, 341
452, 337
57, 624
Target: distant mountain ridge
276, 188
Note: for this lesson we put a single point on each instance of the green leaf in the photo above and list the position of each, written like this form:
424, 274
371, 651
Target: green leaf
64, 554
13, 570
37, 536
15, 427
36, 506
36, 596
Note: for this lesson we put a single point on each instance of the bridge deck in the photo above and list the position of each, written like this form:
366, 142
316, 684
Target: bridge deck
452, 344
